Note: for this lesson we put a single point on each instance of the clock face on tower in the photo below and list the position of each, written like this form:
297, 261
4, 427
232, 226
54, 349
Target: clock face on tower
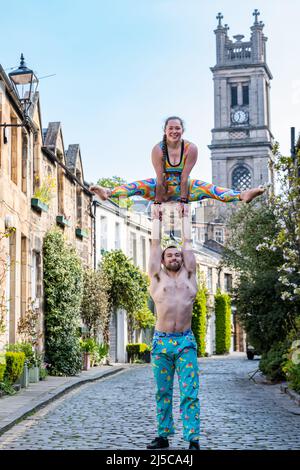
239, 116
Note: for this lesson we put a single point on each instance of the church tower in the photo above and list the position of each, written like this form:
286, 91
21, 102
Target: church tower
241, 138
241, 146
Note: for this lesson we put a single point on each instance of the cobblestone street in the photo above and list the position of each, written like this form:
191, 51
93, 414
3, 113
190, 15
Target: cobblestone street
118, 412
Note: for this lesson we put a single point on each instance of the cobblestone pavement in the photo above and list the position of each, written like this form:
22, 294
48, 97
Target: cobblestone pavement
119, 413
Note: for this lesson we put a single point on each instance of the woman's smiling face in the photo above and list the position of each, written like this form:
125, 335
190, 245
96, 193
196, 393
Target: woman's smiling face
174, 130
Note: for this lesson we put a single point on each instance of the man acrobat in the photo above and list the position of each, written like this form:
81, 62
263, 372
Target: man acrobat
173, 287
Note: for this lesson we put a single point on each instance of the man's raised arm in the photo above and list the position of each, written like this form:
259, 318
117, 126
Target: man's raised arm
189, 258
155, 248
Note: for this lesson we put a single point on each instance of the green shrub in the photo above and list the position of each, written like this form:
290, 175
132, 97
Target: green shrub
144, 317
136, 351
99, 354
292, 372
26, 348
2, 371
291, 366
103, 350
14, 365
223, 322
88, 345
272, 362
43, 372
7, 387
63, 292
199, 321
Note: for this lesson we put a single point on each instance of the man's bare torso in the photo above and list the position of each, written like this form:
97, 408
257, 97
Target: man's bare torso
173, 298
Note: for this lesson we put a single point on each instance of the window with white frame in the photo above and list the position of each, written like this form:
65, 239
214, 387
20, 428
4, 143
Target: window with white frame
227, 282
117, 236
132, 247
209, 279
103, 233
143, 245
219, 235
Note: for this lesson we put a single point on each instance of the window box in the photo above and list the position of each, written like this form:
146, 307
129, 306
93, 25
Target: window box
81, 233
38, 205
61, 220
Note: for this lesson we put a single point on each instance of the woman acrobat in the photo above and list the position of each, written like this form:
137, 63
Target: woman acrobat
173, 159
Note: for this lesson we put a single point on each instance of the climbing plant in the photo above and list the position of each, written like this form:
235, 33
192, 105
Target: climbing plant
128, 286
63, 291
95, 301
199, 319
223, 322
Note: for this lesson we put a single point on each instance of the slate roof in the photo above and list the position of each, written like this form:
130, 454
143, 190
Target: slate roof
51, 135
71, 156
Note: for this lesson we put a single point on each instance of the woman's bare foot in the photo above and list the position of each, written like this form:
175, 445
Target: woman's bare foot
102, 193
247, 196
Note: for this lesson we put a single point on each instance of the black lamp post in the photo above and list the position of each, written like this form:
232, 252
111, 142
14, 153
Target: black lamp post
24, 82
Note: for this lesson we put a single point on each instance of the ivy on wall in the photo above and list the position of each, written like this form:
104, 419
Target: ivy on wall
199, 320
63, 292
223, 322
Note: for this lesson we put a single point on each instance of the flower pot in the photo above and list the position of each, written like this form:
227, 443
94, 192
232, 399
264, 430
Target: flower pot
81, 233
38, 205
34, 374
146, 356
61, 220
23, 380
86, 360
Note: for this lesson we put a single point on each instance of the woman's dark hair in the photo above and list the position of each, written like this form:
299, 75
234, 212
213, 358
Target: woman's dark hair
164, 141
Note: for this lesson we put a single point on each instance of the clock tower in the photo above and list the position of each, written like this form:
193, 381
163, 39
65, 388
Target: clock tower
241, 138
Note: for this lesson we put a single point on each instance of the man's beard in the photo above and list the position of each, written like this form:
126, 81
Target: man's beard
173, 266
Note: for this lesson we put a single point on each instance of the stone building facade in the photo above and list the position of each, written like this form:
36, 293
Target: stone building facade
32, 157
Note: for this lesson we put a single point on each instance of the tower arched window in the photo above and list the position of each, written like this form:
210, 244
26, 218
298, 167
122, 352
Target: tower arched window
241, 178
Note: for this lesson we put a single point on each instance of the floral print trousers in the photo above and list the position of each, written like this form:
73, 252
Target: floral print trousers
178, 351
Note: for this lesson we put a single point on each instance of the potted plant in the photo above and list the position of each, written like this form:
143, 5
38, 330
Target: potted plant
146, 355
43, 371
24, 379
88, 346
28, 329
103, 350
43, 194
27, 349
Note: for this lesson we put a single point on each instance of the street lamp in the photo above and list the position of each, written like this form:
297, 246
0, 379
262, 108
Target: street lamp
24, 82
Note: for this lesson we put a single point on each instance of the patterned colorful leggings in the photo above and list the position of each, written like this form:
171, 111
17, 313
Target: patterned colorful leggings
198, 190
178, 351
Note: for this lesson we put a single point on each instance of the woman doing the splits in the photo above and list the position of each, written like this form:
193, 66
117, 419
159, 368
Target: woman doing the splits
173, 159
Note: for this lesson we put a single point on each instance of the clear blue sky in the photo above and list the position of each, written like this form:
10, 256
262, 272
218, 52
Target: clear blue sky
123, 66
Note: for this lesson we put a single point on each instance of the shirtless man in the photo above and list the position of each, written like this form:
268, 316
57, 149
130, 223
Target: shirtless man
173, 288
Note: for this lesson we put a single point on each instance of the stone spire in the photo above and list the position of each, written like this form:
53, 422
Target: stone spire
239, 51
221, 36
258, 39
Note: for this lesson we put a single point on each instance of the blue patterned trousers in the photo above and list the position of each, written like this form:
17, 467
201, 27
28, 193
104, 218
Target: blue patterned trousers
170, 352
